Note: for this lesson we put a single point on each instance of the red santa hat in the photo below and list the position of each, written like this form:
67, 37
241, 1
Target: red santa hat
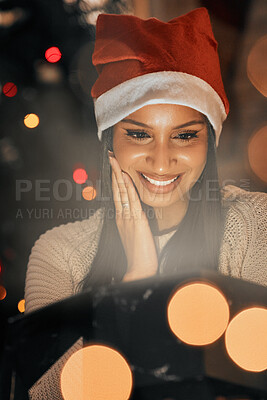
142, 62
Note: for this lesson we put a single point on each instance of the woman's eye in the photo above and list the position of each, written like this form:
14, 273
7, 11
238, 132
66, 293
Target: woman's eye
186, 136
139, 135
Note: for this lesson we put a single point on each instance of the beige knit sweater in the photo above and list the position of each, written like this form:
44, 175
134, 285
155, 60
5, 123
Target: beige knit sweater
62, 257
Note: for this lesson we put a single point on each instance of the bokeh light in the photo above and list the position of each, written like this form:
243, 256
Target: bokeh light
198, 313
80, 175
8, 18
53, 54
48, 73
246, 339
256, 65
10, 89
21, 306
96, 372
257, 153
2, 292
31, 121
89, 193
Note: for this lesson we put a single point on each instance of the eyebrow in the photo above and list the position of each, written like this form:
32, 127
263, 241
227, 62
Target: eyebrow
193, 122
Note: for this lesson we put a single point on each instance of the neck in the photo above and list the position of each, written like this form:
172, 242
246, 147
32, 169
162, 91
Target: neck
168, 217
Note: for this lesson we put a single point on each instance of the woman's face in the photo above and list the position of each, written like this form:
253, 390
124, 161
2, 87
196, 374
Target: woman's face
163, 147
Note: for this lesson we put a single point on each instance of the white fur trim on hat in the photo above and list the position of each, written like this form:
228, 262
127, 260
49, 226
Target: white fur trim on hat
169, 87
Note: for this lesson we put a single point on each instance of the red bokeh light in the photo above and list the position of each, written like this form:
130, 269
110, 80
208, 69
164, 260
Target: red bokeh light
10, 89
2, 292
1, 266
53, 54
80, 175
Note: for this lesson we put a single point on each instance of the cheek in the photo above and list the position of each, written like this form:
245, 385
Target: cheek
120, 151
127, 155
195, 157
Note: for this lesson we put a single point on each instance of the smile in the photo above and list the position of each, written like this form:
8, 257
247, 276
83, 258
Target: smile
159, 183
160, 186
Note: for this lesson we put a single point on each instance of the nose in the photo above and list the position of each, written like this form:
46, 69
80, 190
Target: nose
162, 158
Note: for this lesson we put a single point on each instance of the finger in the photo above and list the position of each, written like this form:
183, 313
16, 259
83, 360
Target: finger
135, 204
120, 187
116, 194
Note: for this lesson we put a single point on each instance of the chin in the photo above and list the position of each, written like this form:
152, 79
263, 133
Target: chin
160, 202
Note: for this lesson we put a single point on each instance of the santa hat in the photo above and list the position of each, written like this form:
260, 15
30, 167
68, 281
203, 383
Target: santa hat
142, 62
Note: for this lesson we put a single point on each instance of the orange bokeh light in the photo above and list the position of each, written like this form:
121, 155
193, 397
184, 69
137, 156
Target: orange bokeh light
2, 293
21, 306
198, 313
256, 65
257, 153
53, 54
89, 193
31, 121
96, 372
246, 339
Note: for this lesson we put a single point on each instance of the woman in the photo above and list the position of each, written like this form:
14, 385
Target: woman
159, 104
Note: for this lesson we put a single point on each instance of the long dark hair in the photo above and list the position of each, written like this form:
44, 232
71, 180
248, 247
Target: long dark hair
195, 244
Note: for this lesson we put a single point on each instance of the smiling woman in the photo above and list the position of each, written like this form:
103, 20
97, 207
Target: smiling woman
163, 148
164, 192
159, 105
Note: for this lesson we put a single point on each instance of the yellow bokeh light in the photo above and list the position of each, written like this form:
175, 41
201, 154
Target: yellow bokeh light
89, 193
256, 65
198, 313
21, 306
31, 121
246, 339
257, 153
96, 372
2, 293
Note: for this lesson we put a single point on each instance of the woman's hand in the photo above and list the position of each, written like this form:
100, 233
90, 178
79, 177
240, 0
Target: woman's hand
133, 227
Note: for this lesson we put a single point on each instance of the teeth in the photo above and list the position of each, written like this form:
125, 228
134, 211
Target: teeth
159, 183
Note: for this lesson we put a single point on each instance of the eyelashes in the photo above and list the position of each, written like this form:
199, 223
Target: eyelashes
186, 136
140, 135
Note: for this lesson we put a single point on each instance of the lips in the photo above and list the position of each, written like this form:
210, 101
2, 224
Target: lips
160, 185
159, 182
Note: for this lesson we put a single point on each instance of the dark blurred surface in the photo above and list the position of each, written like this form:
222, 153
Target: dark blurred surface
122, 317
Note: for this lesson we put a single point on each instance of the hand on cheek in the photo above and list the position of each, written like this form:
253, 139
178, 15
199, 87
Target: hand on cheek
133, 226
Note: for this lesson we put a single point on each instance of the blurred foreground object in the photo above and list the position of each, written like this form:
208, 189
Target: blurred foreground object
131, 319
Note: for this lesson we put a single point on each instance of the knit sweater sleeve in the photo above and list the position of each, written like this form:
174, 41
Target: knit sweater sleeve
52, 275
244, 248
59, 260
48, 279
